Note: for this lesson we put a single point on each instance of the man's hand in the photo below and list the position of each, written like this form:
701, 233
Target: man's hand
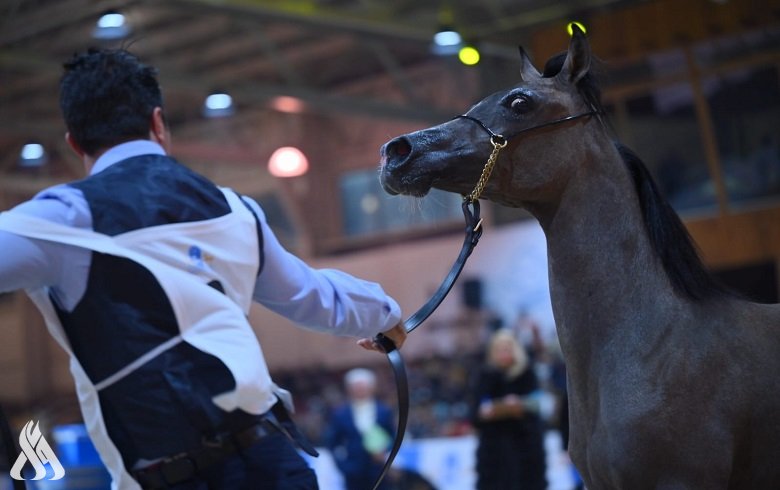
397, 334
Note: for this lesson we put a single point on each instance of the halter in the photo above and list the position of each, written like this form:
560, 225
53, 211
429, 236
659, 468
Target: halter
499, 142
473, 233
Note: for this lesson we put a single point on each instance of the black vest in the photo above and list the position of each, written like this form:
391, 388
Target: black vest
164, 407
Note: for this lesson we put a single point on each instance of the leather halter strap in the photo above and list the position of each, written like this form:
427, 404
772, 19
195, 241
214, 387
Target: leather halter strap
525, 130
473, 232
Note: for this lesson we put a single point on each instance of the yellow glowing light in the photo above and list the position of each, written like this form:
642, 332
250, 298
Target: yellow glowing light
570, 29
468, 55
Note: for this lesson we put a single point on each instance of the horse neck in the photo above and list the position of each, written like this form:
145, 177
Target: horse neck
605, 279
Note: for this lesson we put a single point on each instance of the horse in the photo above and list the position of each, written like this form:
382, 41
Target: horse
672, 378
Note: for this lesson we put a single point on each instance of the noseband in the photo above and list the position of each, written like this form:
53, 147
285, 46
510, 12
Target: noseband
499, 142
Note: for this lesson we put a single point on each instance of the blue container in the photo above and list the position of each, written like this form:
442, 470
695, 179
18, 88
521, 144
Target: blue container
74, 447
83, 468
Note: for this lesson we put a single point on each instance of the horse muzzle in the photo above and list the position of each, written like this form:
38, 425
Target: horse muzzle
397, 173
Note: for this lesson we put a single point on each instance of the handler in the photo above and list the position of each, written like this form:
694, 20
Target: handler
145, 272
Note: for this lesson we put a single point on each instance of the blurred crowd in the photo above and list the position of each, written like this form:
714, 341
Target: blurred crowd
441, 386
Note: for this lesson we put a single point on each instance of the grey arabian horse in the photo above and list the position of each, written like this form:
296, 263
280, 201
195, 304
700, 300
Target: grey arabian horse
674, 382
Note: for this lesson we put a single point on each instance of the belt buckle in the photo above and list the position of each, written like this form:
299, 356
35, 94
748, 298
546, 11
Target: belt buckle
214, 442
178, 469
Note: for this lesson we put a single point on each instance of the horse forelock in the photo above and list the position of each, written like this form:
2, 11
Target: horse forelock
668, 236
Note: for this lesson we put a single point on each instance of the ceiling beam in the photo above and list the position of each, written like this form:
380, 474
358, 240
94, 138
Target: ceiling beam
536, 16
258, 94
395, 70
250, 92
56, 15
30, 61
388, 26
169, 39
312, 51
308, 13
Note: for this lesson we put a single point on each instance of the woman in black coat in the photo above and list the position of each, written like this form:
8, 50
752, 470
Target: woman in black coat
510, 453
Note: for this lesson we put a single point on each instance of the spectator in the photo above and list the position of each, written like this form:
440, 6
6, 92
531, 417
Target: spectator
510, 451
360, 432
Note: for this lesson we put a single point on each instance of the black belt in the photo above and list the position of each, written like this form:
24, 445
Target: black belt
185, 466
473, 233
214, 450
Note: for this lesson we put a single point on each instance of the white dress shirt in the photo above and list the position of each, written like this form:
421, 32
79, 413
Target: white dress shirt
324, 300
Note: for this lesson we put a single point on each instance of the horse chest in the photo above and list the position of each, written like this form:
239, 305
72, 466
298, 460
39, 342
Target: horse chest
616, 436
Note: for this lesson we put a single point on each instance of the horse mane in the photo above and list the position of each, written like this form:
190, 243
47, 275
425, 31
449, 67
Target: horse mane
668, 236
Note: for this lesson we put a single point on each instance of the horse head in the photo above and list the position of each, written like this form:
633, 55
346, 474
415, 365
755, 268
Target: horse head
538, 118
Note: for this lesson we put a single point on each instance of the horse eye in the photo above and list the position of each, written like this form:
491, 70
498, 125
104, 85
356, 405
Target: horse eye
519, 104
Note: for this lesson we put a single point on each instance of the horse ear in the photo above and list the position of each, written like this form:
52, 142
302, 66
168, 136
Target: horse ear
528, 70
577, 61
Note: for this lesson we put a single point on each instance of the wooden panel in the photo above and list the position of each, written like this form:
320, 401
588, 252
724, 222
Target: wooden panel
13, 364
32, 365
737, 239
639, 30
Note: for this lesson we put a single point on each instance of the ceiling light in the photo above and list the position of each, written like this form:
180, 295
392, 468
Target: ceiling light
218, 104
111, 25
468, 55
285, 103
288, 161
446, 42
447, 38
32, 155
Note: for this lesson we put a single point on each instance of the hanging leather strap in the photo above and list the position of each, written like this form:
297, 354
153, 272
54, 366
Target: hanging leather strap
473, 232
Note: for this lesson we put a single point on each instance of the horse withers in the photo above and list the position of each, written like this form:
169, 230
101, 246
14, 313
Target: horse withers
674, 382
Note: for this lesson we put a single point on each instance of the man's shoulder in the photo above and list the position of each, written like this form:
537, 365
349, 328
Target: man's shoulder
60, 203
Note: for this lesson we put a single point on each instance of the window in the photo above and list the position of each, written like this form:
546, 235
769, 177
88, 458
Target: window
745, 107
665, 134
367, 209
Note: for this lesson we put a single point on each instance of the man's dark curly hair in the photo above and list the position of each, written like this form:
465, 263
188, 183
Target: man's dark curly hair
107, 97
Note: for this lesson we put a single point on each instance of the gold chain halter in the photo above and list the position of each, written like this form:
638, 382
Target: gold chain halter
498, 142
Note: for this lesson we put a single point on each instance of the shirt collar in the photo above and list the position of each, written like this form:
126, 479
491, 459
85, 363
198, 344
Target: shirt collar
124, 151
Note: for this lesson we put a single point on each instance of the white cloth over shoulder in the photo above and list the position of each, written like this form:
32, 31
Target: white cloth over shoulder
213, 322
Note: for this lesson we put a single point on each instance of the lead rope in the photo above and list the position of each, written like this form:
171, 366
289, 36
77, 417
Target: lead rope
473, 232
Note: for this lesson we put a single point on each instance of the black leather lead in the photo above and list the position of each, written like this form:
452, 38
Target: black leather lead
473, 232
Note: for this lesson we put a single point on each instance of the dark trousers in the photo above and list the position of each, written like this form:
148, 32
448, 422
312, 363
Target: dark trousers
509, 461
272, 463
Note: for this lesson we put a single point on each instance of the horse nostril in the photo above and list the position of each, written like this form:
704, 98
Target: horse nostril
398, 148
